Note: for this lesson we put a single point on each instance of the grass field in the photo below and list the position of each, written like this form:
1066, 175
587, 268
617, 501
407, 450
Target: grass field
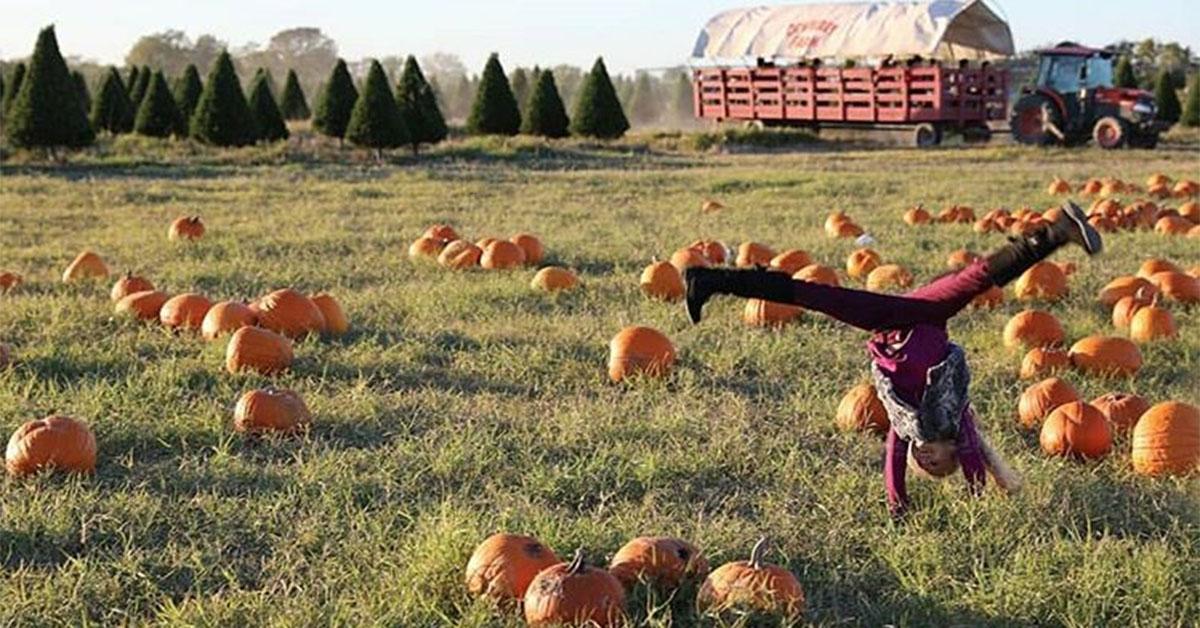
465, 403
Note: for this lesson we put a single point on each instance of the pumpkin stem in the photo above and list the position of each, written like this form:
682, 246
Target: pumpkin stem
576, 566
757, 554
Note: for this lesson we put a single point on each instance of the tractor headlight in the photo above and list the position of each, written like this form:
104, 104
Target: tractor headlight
1144, 108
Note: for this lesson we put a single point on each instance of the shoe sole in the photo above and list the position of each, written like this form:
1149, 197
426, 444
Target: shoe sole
1092, 243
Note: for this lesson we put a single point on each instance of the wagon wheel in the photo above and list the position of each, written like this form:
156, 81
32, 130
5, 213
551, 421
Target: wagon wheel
1110, 133
1036, 121
926, 135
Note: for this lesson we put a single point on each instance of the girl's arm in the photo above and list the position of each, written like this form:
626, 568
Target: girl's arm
970, 454
894, 467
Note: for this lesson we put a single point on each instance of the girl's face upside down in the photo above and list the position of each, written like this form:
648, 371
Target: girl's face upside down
936, 459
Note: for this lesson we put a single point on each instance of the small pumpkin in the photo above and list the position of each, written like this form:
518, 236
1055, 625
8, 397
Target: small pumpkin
483, 242
575, 594
1126, 307
1042, 361
1106, 355
445, 233
8, 281
686, 258
1157, 178
987, 225
1186, 188
816, 273
991, 298
1122, 410
1058, 187
145, 305
861, 262
1151, 267
754, 254
259, 350
55, 442
1033, 328
290, 313
1166, 440
662, 561
334, 317
502, 255
460, 254
861, 410
184, 311
1191, 211
1103, 224
960, 259
1076, 429
845, 229
917, 216
1150, 323
1177, 286
129, 284
760, 313
186, 228
709, 206
1091, 187
1042, 398
503, 565
638, 349
554, 279
531, 246
1043, 281
712, 250
1122, 287
888, 277
226, 317
661, 280
86, 265
753, 586
791, 261
268, 410
426, 248
1172, 225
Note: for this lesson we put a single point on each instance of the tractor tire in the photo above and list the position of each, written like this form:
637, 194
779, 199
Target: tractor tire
926, 135
1111, 133
1032, 119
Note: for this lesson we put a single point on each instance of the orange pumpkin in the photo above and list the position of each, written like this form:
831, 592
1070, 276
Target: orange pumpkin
661, 280
816, 273
1042, 361
960, 259
754, 254
1103, 224
501, 255
760, 313
1058, 187
186, 228
483, 243
1191, 211
861, 410
991, 298
1122, 287
1126, 307
1043, 281
502, 567
1091, 187
1166, 440
752, 585
1042, 398
531, 246
791, 261
845, 229
1177, 286
1076, 429
1151, 267
128, 285
888, 277
662, 561
426, 248
987, 225
1106, 355
290, 313
1157, 178
1122, 410
554, 279
575, 594
55, 442
861, 262
917, 216
445, 233
1172, 225
334, 317
226, 317
709, 206
145, 305
1150, 323
637, 349
684, 259
259, 350
1033, 328
8, 281
1186, 188
184, 311
271, 410
460, 254
712, 250
86, 265
834, 219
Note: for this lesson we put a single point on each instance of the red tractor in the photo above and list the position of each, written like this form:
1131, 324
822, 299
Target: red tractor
1074, 101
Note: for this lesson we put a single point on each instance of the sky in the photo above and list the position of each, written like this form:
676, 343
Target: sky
630, 34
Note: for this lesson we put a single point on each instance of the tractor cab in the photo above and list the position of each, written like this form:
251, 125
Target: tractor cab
1074, 100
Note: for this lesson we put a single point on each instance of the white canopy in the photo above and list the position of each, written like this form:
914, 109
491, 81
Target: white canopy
943, 29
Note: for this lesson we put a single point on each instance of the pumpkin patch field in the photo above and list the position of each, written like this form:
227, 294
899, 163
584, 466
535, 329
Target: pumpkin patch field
304, 392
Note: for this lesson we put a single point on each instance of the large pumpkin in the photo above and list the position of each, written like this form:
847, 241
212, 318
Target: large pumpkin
1152, 323
754, 254
1033, 328
1106, 355
575, 594
426, 248
502, 254
1166, 440
56, 442
1177, 286
686, 258
145, 305
639, 349
86, 265
712, 250
662, 561
186, 228
1126, 307
1172, 225
761, 313
917, 216
460, 254
1122, 287
1058, 187
259, 350
752, 586
332, 314
531, 246
861, 410
791, 261
185, 311
226, 317
502, 567
889, 277
661, 280
554, 279
1043, 281
1122, 410
1076, 429
290, 313
271, 410
1042, 398
445, 233
816, 273
129, 284
1152, 266
1043, 361
861, 262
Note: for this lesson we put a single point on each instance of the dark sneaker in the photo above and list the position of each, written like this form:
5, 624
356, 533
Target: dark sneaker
698, 289
1075, 228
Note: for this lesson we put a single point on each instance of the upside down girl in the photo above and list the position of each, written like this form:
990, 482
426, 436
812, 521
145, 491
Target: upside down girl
920, 376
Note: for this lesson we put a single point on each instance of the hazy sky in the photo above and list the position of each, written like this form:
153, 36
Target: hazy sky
629, 33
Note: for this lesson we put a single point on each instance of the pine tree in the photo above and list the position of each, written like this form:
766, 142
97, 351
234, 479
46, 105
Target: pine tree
222, 117
47, 112
158, 115
336, 102
187, 92
419, 107
139, 89
598, 112
111, 110
1166, 98
293, 103
132, 79
14, 85
643, 104
1123, 74
1191, 106
545, 114
267, 118
376, 121
520, 87
81, 88
684, 104
495, 110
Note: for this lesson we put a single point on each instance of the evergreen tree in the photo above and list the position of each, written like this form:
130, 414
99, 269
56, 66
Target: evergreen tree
81, 88
598, 112
643, 104
1191, 106
267, 118
47, 112
419, 107
1166, 98
187, 92
293, 103
684, 105
139, 89
14, 85
495, 110
222, 116
336, 103
545, 114
376, 121
464, 94
520, 87
132, 79
111, 110
158, 116
1123, 74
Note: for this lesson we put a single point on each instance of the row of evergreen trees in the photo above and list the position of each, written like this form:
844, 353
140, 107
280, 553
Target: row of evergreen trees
1165, 95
